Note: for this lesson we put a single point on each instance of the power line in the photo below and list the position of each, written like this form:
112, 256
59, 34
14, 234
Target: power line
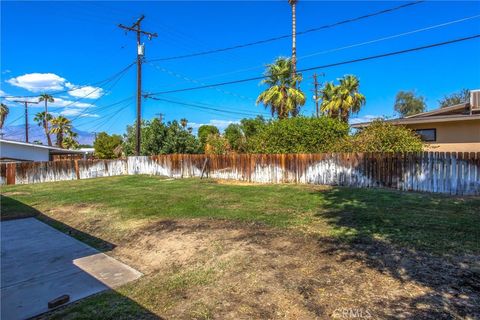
327, 26
181, 76
79, 87
217, 109
106, 90
103, 108
347, 46
383, 55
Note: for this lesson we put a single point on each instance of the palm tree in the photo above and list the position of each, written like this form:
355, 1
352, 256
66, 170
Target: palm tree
282, 96
293, 4
3, 114
329, 104
60, 126
47, 98
69, 141
342, 100
184, 122
42, 119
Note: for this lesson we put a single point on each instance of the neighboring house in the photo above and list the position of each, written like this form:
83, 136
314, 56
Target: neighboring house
14, 151
455, 128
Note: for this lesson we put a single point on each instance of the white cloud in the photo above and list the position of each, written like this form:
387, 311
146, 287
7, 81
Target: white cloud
86, 92
39, 82
220, 124
36, 82
76, 112
60, 103
366, 118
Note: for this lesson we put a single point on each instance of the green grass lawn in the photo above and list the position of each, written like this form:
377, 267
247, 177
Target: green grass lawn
434, 223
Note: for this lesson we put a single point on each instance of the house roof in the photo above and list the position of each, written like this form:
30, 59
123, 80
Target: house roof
459, 112
443, 111
52, 150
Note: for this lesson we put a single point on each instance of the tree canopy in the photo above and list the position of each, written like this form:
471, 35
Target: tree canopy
298, 135
340, 101
106, 146
409, 104
454, 98
282, 96
204, 131
381, 136
161, 138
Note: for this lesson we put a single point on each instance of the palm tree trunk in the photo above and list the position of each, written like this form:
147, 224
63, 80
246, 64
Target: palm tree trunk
294, 38
45, 123
60, 139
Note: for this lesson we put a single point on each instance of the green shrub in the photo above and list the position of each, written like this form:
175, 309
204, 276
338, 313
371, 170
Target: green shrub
381, 136
216, 144
298, 135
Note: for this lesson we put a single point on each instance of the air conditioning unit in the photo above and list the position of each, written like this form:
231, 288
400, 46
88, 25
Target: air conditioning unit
475, 99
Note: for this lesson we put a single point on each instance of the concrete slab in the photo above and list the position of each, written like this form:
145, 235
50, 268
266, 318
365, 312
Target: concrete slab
40, 263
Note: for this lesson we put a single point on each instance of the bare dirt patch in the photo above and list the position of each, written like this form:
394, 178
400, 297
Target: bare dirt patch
202, 269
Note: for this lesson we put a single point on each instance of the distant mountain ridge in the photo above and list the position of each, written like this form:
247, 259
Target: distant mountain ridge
36, 133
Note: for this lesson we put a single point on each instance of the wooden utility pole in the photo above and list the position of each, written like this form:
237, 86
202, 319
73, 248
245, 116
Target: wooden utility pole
25, 102
160, 116
315, 92
140, 55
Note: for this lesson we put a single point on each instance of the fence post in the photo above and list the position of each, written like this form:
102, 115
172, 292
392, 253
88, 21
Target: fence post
77, 171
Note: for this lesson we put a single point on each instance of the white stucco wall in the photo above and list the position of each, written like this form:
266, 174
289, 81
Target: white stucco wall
23, 152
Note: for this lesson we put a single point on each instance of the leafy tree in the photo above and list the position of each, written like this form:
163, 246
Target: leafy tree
217, 144
343, 99
234, 135
42, 119
251, 127
298, 135
106, 146
381, 136
46, 98
455, 98
282, 96
4, 111
161, 138
204, 131
180, 140
60, 127
408, 104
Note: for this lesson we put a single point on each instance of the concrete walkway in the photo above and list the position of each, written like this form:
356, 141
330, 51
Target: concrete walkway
40, 263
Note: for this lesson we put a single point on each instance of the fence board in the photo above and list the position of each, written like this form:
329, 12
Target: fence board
439, 172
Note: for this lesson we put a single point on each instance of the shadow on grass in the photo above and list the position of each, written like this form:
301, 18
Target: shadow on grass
104, 305
431, 240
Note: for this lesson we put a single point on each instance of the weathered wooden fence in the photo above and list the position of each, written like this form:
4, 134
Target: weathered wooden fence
452, 173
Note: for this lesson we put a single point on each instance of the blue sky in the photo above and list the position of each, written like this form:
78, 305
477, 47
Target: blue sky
64, 45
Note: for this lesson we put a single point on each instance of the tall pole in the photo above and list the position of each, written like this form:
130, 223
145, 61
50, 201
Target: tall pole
140, 54
139, 95
25, 102
293, 4
316, 92
315, 85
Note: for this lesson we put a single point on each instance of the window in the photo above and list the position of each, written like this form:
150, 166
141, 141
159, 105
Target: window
427, 134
